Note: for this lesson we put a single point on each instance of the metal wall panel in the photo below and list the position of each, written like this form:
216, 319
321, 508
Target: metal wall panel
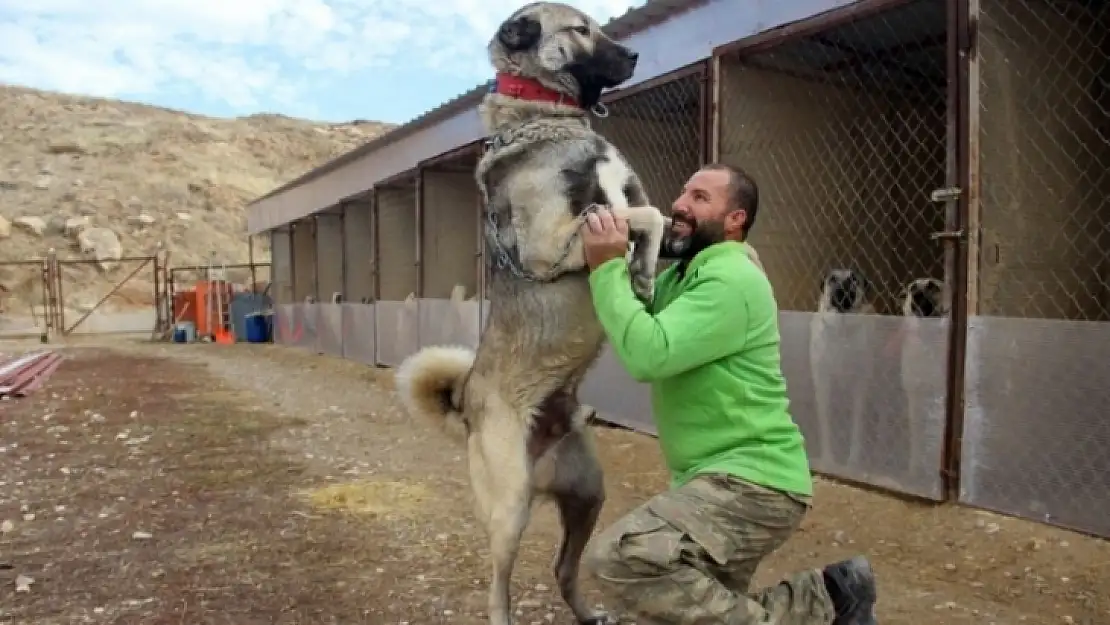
286, 330
1036, 438
617, 397
447, 322
329, 338
868, 392
359, 331
397, 334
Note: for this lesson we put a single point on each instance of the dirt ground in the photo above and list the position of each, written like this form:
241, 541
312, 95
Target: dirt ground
256, 484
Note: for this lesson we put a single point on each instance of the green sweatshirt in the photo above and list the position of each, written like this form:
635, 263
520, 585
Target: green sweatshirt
710, 350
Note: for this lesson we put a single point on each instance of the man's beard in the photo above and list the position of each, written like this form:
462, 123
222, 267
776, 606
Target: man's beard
686, 246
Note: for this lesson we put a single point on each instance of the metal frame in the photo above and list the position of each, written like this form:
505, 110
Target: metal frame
810, 26
959, 252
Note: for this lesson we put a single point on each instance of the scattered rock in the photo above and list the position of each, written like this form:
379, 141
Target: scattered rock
141, 220
74, 225
140, 535
65, 147
101, 244
33, 225
23, 583
7, 526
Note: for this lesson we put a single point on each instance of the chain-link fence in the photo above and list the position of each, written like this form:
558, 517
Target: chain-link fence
844, 132
1036, 439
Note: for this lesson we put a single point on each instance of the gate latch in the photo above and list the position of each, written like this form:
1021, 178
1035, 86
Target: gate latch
947, 194
949, 235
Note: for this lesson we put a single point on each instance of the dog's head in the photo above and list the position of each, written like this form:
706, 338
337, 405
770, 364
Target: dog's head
563, 48
844, 291
924, 297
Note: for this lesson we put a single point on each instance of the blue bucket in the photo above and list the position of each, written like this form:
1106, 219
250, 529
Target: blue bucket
258, 327
184, 332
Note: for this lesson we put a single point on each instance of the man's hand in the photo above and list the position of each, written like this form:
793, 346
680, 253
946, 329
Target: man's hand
604, 237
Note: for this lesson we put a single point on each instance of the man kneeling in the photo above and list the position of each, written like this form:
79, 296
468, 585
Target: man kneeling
709, 346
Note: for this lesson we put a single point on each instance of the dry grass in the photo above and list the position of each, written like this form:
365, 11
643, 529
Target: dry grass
375, 498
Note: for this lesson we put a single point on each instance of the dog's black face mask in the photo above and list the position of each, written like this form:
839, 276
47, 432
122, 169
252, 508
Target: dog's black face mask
845, 291
608, 66
923, 301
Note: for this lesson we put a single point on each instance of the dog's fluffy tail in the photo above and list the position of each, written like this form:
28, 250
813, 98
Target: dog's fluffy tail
426, 382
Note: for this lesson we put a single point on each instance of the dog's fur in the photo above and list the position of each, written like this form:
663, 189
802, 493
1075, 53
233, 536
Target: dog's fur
832, 343
514, 400
922, 366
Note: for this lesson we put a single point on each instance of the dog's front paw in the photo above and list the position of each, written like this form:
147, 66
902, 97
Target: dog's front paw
644, 287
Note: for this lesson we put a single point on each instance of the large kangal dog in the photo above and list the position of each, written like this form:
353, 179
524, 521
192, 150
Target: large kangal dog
514, 400
840, 362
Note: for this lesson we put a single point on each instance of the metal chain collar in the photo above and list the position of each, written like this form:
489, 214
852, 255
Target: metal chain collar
502, 256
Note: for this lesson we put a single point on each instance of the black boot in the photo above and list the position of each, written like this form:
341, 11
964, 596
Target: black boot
851, 586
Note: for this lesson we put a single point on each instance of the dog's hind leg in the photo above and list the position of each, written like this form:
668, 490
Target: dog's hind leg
578, 488
501, 479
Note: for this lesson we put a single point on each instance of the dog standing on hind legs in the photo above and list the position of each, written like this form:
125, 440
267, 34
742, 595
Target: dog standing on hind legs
923, 365
840, 360
514, 400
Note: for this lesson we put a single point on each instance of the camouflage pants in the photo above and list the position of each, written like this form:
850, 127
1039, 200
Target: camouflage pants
687, 556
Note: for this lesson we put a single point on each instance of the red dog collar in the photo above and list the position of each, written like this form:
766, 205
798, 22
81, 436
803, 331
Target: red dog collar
530, 89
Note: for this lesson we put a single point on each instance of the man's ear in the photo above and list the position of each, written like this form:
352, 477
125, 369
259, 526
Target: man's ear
739, 217
519, 34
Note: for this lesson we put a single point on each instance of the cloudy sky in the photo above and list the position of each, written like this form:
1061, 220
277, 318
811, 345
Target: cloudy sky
336, 60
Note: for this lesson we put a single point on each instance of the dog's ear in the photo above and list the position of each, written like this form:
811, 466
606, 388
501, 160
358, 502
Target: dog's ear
862, 283
519, 34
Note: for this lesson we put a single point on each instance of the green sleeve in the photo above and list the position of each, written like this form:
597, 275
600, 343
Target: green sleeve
706, 322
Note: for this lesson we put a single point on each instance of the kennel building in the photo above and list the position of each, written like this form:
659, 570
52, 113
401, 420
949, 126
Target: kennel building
961, 141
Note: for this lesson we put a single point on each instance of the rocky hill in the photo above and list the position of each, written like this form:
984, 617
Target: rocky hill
96, 179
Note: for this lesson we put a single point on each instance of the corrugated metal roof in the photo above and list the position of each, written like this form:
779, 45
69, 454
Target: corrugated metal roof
632, 21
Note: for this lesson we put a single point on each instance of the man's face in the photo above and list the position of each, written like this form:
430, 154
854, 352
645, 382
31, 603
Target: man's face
701, 216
